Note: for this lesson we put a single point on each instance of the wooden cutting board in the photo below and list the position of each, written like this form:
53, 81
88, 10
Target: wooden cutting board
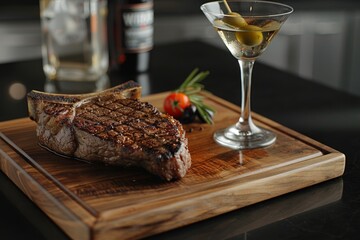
97, 202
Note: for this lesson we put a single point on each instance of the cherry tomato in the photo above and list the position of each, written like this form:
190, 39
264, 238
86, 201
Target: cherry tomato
175, 103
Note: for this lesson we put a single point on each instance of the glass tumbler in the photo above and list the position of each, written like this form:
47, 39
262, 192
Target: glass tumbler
74, 39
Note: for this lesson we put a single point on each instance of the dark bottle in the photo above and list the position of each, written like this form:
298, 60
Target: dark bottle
131, 30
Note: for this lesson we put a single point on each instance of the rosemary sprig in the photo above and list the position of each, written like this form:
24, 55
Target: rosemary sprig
191, 87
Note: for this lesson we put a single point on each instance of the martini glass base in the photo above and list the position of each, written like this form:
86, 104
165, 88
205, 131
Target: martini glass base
232, 138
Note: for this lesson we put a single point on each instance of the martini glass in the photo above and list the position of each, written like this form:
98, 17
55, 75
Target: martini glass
246, 27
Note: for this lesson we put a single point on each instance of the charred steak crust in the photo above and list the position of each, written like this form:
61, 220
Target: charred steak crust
116, 131
135, 133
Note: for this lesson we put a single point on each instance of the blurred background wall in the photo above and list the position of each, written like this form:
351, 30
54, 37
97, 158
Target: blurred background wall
320, 41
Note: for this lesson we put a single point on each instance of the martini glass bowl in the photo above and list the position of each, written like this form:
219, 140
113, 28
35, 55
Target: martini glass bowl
246, 28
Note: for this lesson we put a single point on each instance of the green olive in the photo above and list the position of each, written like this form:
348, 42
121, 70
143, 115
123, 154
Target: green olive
251, 36
234, 19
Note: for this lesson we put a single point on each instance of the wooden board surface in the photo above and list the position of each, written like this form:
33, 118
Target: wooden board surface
98, 202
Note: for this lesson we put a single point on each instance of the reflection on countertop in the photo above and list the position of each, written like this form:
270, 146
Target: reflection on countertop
244, 221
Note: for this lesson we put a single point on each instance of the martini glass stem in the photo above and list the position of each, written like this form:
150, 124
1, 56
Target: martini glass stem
245, 134
245, 124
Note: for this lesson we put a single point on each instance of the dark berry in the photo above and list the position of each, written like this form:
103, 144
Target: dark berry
188, 115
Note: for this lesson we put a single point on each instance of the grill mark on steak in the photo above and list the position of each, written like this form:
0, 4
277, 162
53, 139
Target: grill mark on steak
155, 137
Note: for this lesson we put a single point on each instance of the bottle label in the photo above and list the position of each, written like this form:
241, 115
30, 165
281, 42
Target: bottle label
137, 23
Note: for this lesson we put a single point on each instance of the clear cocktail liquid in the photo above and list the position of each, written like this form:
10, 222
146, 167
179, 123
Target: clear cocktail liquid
235, 38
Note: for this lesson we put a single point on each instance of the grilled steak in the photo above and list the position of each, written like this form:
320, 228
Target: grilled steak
113, 127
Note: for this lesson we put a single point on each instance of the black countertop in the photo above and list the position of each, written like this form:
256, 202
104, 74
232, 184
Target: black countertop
330, 210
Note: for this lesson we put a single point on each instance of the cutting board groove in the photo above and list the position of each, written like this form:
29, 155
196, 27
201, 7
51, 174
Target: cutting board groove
90, 201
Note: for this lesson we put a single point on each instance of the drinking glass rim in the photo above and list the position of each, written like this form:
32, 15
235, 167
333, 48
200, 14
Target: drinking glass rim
291, 9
